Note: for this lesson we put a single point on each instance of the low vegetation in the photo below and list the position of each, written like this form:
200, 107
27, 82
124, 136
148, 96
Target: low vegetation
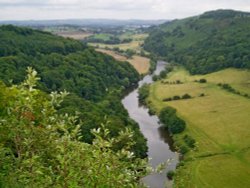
217, 127
143, 93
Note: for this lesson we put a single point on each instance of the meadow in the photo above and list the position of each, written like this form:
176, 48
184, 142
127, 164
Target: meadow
219, 121
141, 64
135, 44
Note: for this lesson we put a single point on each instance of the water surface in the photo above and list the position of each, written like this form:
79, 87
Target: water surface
157, 138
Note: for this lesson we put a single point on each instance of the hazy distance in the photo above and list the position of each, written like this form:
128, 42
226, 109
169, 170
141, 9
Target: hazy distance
110, 9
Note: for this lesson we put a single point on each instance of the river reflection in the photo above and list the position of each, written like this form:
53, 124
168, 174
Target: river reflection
159, 143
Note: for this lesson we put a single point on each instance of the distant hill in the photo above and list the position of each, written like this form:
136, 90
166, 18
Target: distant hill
205, 43
86, 22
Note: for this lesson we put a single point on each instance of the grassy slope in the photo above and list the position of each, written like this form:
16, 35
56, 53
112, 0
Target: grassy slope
220, 124
141, 64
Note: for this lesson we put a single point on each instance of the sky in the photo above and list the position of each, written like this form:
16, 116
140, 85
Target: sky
112, 9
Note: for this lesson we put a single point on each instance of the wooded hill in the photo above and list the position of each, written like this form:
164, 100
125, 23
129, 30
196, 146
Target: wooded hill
205, 43
95, 81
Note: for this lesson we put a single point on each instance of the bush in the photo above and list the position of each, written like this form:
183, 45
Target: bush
202, 95
170, 121
202, 80
170, 174
163, 74
143, 93
176, 125
189, 141
167, 99
183, 150
176, 97
178, 82
181, 163
155, 78
186, 96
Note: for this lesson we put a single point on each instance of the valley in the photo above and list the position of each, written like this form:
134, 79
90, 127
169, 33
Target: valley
98, 102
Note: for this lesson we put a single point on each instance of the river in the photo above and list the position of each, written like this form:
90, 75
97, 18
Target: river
158, 141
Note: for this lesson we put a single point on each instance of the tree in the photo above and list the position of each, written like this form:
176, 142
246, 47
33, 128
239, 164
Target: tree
40, 148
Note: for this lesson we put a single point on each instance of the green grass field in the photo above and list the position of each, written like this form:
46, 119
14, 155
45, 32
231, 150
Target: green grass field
135, 44
219, 122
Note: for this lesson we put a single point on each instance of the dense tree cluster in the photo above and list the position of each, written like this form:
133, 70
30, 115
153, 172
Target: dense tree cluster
206, 43
95, 80
171, 121
41, 148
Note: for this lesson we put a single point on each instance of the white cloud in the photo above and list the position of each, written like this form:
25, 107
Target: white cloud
119, 9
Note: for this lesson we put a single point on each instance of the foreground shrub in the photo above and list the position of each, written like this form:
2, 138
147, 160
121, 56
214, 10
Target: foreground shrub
39, 148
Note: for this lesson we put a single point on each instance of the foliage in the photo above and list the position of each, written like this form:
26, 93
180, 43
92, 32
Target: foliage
170, 174
41, 148
229, 88
155, 77
171, 121
129, 53
203, 80
143, 93
176, 97
186, 96
205, 43
95, 80
189, 141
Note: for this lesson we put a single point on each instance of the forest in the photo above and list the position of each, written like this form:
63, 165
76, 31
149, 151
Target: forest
210, 42
95, 83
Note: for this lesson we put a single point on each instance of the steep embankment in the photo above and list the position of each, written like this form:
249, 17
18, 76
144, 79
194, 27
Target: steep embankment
205, 43
95, 80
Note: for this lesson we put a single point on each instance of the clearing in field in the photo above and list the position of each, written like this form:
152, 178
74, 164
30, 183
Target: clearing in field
141, 64
219, 121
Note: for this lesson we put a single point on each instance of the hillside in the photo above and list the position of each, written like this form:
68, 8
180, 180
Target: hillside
95, 80
205, 43
215, 144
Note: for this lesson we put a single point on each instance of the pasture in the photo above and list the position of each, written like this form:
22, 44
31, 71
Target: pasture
219, 122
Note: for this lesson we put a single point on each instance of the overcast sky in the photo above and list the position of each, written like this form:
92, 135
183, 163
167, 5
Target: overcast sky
115, 9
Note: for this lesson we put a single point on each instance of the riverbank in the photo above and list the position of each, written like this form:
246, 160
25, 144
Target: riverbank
218, 120
159, 150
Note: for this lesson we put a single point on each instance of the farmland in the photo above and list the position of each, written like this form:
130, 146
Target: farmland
141, 64
135, 44
218, 121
